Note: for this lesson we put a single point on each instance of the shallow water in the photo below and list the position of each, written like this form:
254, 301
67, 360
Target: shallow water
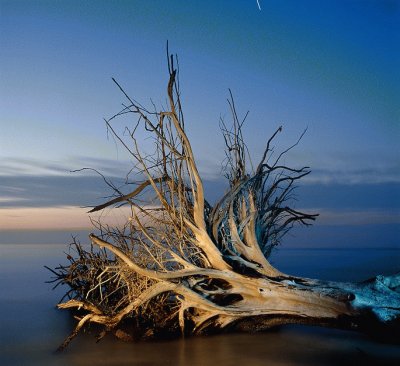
31, 328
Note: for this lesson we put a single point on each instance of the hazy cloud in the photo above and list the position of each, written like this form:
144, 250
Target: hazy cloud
11, 166
341, 200
355, 176
349, 196
357, 217
48, 191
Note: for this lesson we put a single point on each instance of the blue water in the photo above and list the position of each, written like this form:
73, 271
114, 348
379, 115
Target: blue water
355, 264
31, 328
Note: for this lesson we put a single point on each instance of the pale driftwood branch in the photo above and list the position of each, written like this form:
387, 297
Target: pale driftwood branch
180, 265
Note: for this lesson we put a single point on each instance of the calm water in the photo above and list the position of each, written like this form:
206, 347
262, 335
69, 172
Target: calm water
31, 328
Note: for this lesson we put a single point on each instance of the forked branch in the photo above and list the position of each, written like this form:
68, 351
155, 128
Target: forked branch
182, 265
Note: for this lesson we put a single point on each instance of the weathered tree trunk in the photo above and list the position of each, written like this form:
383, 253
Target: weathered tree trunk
181, 265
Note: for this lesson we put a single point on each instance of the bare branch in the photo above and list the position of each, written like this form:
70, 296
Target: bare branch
180, 265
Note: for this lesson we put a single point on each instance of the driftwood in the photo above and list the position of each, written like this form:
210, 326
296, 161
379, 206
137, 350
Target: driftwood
182, 266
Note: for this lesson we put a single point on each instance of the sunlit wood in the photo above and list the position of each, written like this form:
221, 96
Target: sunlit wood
180, 265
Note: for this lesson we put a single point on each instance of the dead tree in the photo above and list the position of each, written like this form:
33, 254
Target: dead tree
180, 265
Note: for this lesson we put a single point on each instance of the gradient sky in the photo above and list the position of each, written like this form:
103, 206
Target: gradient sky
330, 66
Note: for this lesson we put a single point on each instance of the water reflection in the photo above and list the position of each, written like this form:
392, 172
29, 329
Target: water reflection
31, 328
288, 346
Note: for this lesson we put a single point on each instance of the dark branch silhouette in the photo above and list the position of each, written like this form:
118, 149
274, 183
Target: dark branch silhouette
182, 266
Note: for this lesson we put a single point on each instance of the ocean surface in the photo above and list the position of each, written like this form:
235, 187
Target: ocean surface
31, 328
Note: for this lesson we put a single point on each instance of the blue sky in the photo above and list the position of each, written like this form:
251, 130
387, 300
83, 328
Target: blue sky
329, 66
